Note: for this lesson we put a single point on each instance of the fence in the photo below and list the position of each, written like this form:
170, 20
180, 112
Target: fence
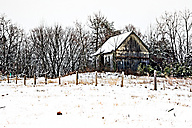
96, 79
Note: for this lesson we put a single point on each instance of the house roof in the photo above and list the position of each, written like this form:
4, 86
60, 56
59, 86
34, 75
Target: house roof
112, 43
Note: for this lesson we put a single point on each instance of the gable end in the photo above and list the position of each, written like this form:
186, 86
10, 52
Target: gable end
133, 44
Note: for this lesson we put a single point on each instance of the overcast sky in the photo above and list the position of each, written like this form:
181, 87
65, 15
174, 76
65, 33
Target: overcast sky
141, 13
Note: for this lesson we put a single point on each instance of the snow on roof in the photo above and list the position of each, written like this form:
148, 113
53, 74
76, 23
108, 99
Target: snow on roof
112, 43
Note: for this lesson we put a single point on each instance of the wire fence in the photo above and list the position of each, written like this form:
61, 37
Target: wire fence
102, 79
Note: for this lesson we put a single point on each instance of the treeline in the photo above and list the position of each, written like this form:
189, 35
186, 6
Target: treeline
170, 42
56, 50
53, 50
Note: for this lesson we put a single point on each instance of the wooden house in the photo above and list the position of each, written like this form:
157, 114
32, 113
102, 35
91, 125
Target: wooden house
123, 52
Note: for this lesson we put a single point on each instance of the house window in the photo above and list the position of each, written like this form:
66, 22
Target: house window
123, 63
105, 59
126, 64
109, 60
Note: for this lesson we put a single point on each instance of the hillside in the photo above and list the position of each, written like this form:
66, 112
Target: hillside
106, 105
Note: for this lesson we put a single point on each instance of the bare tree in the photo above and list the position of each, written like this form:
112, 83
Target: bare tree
11, 37
102, 30
130, 28
101, 27
172, 25
39, 38
52, 49
187, 19
83, 37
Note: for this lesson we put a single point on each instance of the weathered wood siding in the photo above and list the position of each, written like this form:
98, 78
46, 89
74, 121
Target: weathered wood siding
132, 47
130, 53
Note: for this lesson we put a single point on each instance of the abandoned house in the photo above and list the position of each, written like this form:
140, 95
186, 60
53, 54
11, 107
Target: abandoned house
123, 52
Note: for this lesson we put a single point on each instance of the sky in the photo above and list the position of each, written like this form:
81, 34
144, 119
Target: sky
29, 14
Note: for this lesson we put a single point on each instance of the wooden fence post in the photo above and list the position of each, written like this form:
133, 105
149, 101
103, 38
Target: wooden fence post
155, 80
95, 78
16, 80
7, 78
45, 78
122, 78
25, 80
34, 80
59, 79
76, 77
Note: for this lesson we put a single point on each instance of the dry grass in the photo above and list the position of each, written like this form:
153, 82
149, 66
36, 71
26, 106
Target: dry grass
71, 82
116, 104
39, 85
141, 78
108, 81
151, 96
142, 82
2, 80
113, 81
41, 82
17, 78
51, 81
86, 82
185, 105
134, 97
145, 82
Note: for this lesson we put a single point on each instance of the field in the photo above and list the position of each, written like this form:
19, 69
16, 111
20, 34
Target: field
107, 105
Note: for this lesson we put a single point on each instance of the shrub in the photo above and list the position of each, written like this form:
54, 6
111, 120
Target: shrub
141, 69
150, 69
167, 71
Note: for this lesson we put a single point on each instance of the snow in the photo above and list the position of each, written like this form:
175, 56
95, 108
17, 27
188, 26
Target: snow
112, 43
105, 106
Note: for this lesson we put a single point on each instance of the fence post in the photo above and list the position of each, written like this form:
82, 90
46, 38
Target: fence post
95, 78
7, 78
25, 80
16, 79
122, 78
155, 80
45, 78
76, 77
34, 80
59, 79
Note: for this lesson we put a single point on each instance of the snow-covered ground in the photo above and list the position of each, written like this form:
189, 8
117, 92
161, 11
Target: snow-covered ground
106, 105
